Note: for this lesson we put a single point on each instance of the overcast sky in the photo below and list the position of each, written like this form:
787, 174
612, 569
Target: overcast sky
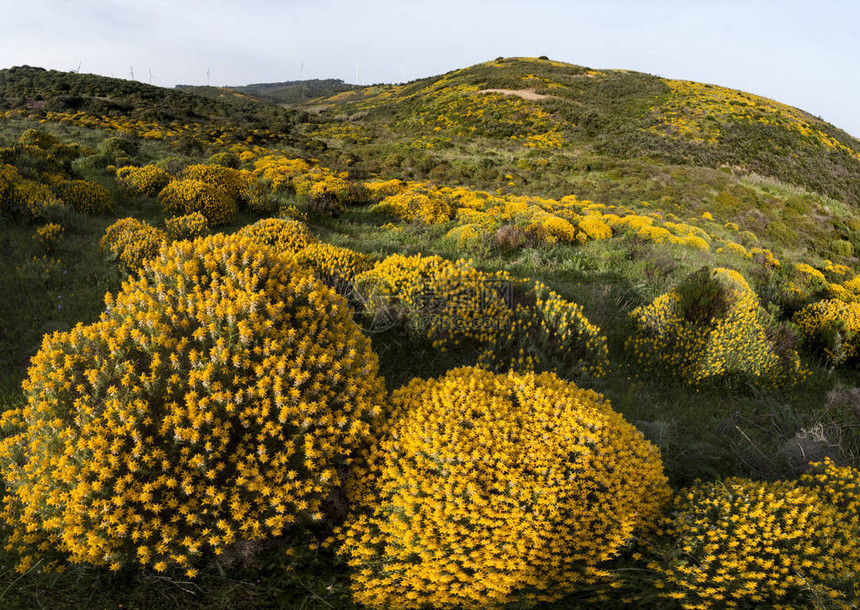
806, 54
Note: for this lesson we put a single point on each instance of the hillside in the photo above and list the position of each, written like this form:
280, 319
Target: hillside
576, 117
526, 334
297, 91
289, 92
138, 108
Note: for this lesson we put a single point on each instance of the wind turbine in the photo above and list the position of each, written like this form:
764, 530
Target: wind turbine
132, 72
207, 77
78, 69
150, 75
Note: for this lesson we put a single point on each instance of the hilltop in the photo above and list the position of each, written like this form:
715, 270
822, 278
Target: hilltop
580, 117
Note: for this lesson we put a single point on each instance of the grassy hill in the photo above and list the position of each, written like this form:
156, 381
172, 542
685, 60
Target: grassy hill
684, 250
579, 117
289, 92
297, 91
139, 108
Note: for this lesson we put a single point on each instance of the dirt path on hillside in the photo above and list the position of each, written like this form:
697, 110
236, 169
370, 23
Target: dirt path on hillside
526, 94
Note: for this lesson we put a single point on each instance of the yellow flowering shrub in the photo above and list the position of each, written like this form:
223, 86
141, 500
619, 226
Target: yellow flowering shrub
48, 236
811, 271
551, 228
838, 291
694, 241
494, 488
836, 270
189, 226
837, 485
147, 180
656, 234
131, 242
218, 399
594, 228
548, 333
385, 188
8, 175
710, 326
294, 213
334, 266
86, 197
751, 544
279, 172
29, 200
631, 222
446, 301
329, 193
468, 236
764, 257
731, 247
320, 185
852, 285
181, 197
236, 183
38, 138
281, 234
412, 204
831, 328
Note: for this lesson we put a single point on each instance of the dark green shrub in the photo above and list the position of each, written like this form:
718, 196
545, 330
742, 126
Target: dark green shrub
119, 147
225, 159
703, 297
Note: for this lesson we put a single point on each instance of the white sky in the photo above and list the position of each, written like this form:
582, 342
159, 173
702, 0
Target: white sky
806, 54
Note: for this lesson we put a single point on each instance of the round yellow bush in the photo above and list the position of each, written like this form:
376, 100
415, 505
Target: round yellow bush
218, 398
86, 197
280, 172
710, 326
336, 267
468, 236
147, 180
414, 205
830, 328
731, 247
236, 183
446, 301
491, 488
27, 199
39, 139
551, 228
189, 226
594, 228
386, 188
759, 545
281, 234
181, 197
131, 242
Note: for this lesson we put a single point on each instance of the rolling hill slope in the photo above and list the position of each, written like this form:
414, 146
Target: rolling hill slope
566, 113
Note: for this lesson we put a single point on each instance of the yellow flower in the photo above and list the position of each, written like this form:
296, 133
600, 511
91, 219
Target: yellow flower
217, 372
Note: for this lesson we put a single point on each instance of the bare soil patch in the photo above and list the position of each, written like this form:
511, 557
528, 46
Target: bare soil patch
527, 94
